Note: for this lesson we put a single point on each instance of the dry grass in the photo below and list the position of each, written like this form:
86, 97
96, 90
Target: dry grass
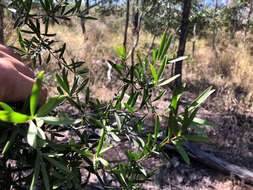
231, 72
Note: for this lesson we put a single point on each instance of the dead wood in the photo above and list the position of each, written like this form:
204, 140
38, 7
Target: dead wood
216, 163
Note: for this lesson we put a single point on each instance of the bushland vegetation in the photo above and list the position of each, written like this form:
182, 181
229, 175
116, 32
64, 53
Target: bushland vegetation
125, 76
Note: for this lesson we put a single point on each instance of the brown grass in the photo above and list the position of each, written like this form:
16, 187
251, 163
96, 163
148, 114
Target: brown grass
231, 72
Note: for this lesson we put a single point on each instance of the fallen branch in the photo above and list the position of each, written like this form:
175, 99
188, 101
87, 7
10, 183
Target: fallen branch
216, 163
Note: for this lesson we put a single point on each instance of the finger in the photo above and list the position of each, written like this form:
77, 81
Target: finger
18, 65
9, 51
15, 86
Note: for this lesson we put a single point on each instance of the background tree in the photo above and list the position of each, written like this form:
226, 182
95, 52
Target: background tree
82, 19
1, 24
187, 4
126, 24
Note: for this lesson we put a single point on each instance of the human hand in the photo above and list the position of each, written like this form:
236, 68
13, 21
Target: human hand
16, 80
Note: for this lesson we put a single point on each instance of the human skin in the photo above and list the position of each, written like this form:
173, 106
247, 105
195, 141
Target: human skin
16, 80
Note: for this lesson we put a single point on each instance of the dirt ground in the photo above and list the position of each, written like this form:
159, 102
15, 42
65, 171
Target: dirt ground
231, 138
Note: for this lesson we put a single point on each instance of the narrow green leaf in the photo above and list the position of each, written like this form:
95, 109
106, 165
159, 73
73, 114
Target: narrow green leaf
103, 161
118, 121
10, 141
62, 84
5, 107
45, 176
14, 117
162, 44
167, 81
201, 98
162, 67
32, 135
101, 142
57, 164
198, 121
181, 151
157, 128
59, 120
35, 172
51, 104
154, 73
34, 99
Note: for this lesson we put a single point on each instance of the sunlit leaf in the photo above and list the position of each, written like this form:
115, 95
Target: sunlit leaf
14, 117
34, 99
32, 134
167, 81
51, 104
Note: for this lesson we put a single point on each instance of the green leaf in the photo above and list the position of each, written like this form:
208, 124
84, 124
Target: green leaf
105, 149
162, 67
181, 151
162, 44
6, 107
41, 133
166, 46
118, 120
167, 81
14, 117
10, 141
35, 172
118, 67
154, 56
51, 104
32, 135
175, 99
101, 142
45, 176
201, 98
59, 120
57, 164
34, 99
154, 73
62, 84
103, 161
115, 137
157, 128
198, 121
121, 53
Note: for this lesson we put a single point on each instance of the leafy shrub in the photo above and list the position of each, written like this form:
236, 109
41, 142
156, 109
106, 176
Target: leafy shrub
32, 154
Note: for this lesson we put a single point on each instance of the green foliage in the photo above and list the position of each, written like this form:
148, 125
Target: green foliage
33, 138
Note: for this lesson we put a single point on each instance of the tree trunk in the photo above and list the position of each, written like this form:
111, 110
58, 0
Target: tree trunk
248, 20
215, 27
137, 18
126, 25
194, 40
182, 39
1, 24
215, 32
87, 6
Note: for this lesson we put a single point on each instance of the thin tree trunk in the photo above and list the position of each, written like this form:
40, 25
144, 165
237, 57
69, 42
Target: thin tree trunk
182, 40
126, 24
137, 17
82, 21
194, 40
1, 24
248, 20
215, 27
